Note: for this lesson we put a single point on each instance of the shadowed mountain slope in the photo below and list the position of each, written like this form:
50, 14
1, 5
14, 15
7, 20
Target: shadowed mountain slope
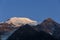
26, 32
50, 26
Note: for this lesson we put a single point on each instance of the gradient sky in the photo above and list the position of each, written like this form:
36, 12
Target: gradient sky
34, 9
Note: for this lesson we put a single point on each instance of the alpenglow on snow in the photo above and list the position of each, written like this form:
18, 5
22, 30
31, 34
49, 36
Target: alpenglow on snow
18, 21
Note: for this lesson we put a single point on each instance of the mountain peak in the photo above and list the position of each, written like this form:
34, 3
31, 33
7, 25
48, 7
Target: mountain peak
48, 25
49, 20
18, 21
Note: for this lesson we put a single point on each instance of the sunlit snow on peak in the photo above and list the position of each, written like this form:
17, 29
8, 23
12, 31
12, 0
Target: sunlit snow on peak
18, 21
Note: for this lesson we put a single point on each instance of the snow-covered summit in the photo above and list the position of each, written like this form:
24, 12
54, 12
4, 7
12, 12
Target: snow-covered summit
18, 21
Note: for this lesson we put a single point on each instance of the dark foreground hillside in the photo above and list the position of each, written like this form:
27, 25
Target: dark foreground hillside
28, 33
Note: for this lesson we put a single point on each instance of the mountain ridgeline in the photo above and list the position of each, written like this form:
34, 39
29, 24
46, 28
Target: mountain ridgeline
26, 32
47, 30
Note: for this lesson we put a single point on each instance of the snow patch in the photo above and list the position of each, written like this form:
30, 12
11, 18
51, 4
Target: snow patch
18, 21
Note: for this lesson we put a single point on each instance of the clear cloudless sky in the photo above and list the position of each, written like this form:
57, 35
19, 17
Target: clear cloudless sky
35, 9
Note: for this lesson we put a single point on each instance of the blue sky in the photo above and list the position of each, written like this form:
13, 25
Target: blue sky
34, 9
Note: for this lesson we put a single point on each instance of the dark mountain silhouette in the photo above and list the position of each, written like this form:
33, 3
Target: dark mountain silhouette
26, 32
48, 25
51, 27
56, 33
47, 29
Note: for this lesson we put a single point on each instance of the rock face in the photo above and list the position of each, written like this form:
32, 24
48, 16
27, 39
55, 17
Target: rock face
48, 25
4, 27
51, 27
26, 32
5, 30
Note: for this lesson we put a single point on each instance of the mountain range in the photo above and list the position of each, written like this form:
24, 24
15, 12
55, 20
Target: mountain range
26, 32
27, 29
